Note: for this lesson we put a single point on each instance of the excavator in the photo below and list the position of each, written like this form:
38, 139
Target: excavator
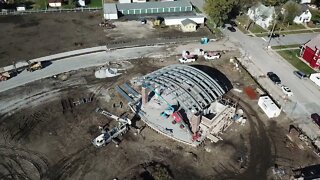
33, 66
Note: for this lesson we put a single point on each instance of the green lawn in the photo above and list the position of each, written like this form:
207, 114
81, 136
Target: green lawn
294, 27
244, 20
286, 46
297, 32
95, 3
291, 57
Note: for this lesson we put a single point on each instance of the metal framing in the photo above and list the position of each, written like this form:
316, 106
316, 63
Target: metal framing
194, 89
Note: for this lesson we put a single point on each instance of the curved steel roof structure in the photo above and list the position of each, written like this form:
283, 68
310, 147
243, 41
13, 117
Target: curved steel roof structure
193, 88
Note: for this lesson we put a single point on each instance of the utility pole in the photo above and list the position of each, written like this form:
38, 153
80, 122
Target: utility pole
272, 31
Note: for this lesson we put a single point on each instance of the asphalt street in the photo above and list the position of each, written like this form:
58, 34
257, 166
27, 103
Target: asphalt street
290, 39
78, 62
259, 60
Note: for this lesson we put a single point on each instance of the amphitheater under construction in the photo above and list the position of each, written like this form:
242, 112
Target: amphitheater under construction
182, 102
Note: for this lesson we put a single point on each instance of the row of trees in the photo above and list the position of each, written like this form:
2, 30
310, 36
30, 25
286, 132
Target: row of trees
221, 11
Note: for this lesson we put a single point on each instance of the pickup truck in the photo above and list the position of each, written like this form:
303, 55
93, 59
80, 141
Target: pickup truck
187, 60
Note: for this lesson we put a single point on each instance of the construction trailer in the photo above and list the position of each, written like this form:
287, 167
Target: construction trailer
315, 77
269, 107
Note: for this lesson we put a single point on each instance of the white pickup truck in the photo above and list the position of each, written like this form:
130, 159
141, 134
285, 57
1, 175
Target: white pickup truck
187, 60
211, 55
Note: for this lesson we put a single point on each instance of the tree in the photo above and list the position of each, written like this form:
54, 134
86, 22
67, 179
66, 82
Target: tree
291, 10
218, 10
273, 2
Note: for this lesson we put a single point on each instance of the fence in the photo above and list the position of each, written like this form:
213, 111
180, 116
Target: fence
81, 9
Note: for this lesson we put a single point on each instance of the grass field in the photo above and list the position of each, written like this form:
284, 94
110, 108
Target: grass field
286, 46
291, 57
95, 3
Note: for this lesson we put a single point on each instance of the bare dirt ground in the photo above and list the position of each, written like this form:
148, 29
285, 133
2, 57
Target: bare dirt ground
31, 36
40, 140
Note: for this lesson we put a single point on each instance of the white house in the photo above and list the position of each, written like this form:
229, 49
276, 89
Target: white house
261, 15
305, 15
54, 3
82, 3
305, 1
139, 1
21, 8
110, 11
176, 20
269, 107
315, 77
124, 1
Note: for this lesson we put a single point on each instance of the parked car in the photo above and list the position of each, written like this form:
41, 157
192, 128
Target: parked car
186, 60
316, 118
300, 74
274, 78
211, 55
274, 35
286, 90
232, 29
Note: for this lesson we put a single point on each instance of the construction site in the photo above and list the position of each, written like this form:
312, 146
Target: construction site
183, 109
164, 121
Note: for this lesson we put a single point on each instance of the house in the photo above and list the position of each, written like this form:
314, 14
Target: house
54, 3
139, 1
176, 20
268, 106
261, 15
82, 3
188, 25
305, 1
310, 52
110, 11
124, 1
21, 7
304, 15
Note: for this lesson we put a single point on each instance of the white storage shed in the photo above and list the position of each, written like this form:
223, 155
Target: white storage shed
124, 1
110, 11
173, 21
315, 77
139, 1
269, 107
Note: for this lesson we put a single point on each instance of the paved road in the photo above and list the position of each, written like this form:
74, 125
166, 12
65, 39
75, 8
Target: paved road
265, 60
78, 62
291, 39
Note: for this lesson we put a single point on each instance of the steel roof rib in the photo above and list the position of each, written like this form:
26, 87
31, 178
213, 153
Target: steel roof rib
204, 87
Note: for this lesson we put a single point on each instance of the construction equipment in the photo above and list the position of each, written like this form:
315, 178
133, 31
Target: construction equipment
4, 75
33, 66
106, 135
107, 25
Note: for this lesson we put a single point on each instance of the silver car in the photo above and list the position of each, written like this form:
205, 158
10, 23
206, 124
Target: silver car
300, 74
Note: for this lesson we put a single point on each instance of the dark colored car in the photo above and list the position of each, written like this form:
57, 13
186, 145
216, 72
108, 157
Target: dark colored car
274, 35
274, 78
232, 29
300, 74
232, 23
316, 118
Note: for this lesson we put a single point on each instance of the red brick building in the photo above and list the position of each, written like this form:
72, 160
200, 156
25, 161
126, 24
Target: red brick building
310, 52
